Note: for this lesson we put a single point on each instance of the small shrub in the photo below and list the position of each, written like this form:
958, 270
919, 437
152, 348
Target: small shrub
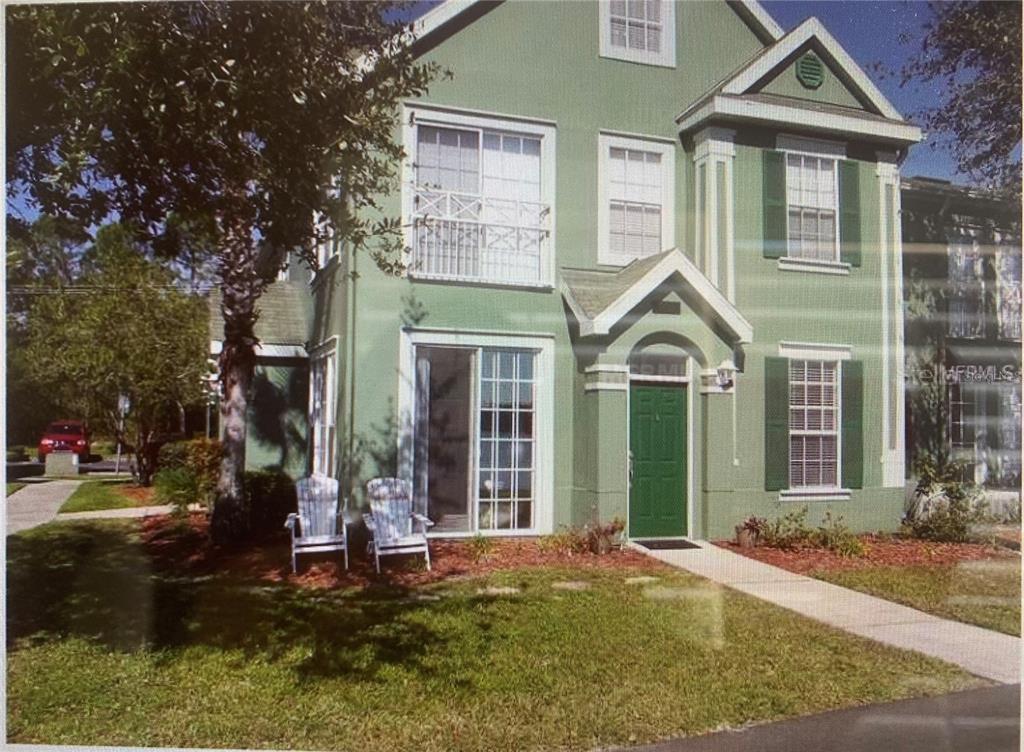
270, 498
201, 456
17, 454
789, 531
834, 535
567, 541
177, 486
602, 536
949, 520
480, 547
104, 447
173, 455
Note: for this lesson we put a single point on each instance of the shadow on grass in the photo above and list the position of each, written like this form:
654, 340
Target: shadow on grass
100, 581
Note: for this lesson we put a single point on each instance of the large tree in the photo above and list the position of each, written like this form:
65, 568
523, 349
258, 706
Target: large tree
250, 118
974, 50
122, 326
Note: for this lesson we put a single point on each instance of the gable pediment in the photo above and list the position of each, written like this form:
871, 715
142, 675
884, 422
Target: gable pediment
600, 300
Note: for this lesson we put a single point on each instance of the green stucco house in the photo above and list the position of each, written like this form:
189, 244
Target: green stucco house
653, 272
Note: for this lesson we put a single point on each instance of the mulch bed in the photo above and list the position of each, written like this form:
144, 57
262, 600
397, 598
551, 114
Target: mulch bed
184, 546
880, 551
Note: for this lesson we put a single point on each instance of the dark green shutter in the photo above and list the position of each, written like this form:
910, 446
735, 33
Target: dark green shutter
774, 173
853, 424
849, 212
776, 423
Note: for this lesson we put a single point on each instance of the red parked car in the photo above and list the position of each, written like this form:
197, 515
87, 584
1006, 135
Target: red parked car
65, 436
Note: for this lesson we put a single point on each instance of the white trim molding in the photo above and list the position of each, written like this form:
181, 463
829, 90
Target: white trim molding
665, 57
814, 266
734, 107
893, 458
814, 494
544, 346
810, 29
714, 148
442, 116
658, 145
814, 351
674, 262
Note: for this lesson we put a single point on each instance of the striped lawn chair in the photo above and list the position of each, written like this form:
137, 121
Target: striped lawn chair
394, 526
320, 525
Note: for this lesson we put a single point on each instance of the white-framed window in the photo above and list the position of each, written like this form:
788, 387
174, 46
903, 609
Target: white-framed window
814, 420
478, 413
1008, 462
638, 31
812, 199
636, 214
966, 288
1008, 263
479, 193
323, 403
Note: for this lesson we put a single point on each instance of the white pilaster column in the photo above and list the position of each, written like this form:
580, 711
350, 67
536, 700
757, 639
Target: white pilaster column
715, 151
890, 246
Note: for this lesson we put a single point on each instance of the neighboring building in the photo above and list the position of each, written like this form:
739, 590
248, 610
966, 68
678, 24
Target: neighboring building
653, 273
962, 275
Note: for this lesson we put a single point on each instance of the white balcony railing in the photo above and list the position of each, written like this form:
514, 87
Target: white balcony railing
467, 237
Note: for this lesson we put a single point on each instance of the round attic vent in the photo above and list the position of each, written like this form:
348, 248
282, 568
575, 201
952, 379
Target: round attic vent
809, 71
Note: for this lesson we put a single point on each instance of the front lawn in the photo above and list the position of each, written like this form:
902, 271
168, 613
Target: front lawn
131, 633
12, 487
976, 583
984, 592
93, 495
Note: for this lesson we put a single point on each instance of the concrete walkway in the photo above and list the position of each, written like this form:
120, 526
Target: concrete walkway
979, 719
37, 503
982, 652
110, 514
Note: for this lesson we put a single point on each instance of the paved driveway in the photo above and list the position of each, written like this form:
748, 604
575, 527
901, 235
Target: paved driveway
980, 719
37, 503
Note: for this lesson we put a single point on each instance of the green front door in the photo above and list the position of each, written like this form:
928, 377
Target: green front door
657, 443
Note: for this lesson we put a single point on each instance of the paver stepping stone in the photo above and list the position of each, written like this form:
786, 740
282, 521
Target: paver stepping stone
643, 580
571, 585
494, 590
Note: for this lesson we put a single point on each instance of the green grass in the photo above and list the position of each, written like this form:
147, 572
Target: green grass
12, 487
94, 495
985, 593
109, 644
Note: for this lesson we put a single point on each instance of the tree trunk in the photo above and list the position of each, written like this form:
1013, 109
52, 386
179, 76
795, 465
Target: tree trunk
240, 289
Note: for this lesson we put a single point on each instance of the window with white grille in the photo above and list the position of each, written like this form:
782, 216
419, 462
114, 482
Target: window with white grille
812, 199
966, 288
1008, 262
636, 212
813, 424
507, 439
478, 209
639, 31
323, 395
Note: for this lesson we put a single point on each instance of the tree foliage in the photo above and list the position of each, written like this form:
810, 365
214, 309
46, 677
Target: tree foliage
121, 327
974, 49
248, 118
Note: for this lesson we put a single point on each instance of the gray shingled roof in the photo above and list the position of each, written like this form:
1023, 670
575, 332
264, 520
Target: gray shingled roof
593, 291
284, 314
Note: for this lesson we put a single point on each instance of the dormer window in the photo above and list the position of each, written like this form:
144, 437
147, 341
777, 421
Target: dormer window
639, 31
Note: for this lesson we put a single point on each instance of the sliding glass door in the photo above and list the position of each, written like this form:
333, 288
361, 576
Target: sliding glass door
475, 437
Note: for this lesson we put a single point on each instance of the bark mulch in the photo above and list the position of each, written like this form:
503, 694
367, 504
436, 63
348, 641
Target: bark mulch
880, 551
184, 546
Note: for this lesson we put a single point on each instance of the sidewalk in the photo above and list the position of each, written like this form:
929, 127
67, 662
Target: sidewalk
979, 719
37, 504
991, 655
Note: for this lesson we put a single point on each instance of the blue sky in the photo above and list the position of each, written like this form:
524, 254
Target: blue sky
870, 32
